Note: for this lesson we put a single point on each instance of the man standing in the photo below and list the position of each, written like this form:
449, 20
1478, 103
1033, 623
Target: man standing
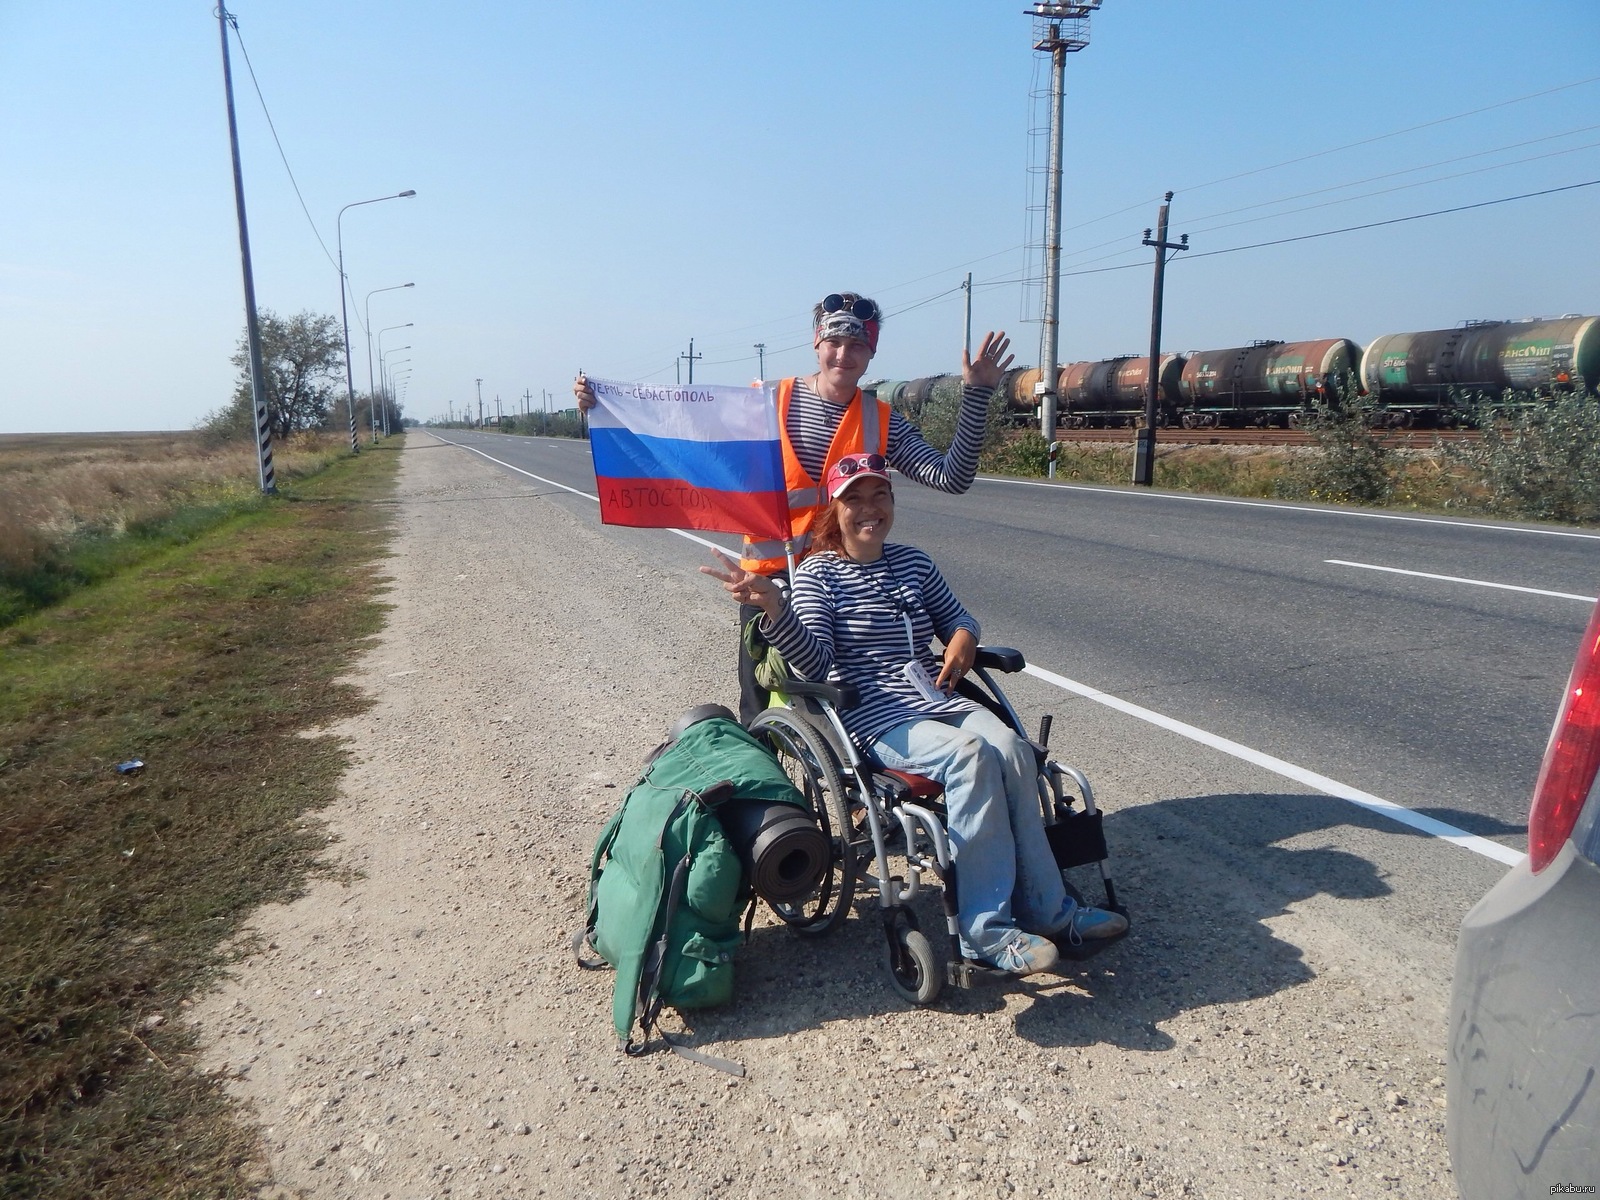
824, 416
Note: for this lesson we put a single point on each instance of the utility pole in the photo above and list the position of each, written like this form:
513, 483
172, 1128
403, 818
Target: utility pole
967, 287
258, 376
761, 361
480, 404
690, 357
1060, 29
1144, 455
499, 417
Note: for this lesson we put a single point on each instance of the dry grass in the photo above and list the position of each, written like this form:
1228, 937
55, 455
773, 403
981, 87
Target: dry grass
56, 488
75, 509
121, 895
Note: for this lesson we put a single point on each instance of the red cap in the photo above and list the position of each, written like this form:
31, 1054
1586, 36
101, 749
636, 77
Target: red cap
850, 469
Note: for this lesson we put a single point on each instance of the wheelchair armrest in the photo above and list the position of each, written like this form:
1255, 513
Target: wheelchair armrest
840, 696
1000, 658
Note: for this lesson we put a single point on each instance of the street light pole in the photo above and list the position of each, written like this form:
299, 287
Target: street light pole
344, 311
258, 376
381, 332
367, 308
383, 359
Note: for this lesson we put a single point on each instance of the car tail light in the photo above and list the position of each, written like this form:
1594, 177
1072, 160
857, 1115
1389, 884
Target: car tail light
1571, 759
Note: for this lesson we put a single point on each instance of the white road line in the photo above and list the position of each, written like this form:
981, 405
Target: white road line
1505, 587
734, 552
1278, 766
1386, 808
1293, 508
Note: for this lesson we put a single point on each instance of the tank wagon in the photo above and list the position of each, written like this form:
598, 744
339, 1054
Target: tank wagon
1113, 392
1265, 383
1106, 394
1411, 375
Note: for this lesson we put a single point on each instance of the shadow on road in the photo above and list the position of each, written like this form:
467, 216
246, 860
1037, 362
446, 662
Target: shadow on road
1200, 876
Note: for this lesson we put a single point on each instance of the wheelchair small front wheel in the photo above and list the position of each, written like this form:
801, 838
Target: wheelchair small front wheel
912, 969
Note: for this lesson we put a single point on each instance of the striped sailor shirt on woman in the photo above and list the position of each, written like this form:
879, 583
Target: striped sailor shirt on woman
845, 622
812, 422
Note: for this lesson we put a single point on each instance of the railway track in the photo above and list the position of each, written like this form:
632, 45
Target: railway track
1258, 437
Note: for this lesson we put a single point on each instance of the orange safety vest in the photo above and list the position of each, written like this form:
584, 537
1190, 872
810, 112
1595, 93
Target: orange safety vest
865, 425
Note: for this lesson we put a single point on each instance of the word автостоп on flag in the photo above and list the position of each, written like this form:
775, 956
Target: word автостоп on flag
695, 457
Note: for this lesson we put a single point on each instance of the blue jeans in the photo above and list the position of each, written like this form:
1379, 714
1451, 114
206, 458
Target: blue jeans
1007, 878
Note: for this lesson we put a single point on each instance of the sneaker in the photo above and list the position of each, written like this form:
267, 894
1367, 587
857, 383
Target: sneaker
1090, 924
1026, 954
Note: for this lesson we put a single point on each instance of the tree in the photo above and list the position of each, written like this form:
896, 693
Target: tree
302, 358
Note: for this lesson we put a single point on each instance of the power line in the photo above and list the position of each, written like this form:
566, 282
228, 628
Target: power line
1397, 188
1443, 162
1304, 237
1324, 153
1382, 137
234, 21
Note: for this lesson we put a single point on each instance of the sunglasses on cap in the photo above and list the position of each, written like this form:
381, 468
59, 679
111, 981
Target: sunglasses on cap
847, 467
860, 308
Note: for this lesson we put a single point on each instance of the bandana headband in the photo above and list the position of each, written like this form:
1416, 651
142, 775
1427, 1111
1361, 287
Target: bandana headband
844, 324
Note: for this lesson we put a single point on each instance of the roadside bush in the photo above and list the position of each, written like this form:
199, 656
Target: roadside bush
1351, 465
942, 408
1539, 461
1024, 454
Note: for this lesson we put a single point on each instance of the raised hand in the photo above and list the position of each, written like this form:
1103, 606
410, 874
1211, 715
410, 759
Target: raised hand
991, 363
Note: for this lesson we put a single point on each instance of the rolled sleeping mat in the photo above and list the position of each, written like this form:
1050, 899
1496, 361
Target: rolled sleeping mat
783, 850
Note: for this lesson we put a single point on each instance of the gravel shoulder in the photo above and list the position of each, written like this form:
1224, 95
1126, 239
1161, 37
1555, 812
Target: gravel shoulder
421, 1030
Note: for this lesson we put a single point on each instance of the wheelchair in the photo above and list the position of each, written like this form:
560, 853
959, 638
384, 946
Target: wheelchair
870, 814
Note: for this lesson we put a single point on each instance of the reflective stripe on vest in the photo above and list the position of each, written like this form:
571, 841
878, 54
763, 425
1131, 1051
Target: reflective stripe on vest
864, 427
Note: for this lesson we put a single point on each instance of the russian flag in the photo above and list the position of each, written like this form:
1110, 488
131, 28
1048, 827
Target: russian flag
695, 457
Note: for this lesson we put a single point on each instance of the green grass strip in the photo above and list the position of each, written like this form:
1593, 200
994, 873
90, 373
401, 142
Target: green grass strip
119, 893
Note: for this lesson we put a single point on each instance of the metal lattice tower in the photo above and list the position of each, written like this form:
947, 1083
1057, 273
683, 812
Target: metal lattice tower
1059, 30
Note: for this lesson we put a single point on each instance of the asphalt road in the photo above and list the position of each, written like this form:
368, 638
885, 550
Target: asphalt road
1248, 621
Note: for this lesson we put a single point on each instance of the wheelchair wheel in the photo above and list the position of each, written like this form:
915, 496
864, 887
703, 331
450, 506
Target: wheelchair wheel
912, 969
809, 762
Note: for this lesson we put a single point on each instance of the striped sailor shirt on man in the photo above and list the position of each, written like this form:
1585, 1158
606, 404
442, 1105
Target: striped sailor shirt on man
846, 622
812, 422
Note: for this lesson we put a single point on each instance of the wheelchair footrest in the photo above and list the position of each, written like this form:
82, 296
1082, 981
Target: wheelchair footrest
960, 974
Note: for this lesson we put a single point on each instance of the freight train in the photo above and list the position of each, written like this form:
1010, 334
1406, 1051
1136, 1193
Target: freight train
1412, 379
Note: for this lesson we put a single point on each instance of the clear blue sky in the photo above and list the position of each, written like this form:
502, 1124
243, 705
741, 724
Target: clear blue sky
599, 183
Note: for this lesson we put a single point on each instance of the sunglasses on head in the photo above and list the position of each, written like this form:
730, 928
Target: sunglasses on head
869, 462
861, 309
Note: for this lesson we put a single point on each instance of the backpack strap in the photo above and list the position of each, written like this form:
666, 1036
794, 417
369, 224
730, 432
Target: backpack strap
602, 847
700, 1056
649, 1002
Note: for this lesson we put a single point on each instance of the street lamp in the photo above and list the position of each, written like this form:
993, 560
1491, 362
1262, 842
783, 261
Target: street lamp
381, 332
344, 313
367, 307
383, 361
397, 382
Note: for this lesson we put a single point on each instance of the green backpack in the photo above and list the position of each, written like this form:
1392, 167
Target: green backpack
666, 888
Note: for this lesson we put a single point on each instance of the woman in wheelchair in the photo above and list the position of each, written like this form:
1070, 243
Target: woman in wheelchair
862, 612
